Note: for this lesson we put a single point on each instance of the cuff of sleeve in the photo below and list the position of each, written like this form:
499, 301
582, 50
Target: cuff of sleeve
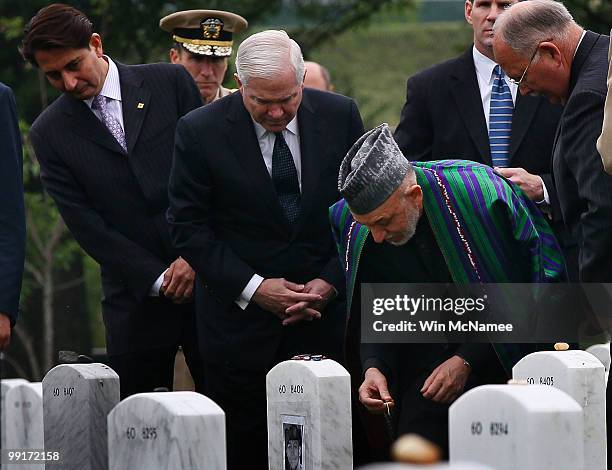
247, 293
546, 199
154, 292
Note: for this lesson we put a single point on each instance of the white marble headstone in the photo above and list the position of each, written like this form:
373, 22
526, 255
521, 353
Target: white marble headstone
24, 420
5, 386
167, 430
510, 427
601, 352
581, 376
76, 401
312, 399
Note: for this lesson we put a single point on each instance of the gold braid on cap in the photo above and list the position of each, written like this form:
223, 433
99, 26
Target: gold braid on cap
203, 42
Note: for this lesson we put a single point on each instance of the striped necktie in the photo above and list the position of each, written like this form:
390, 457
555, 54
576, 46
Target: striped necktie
500, 119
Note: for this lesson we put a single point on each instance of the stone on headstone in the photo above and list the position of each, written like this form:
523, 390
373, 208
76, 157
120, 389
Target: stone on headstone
5, 386
169, 430
509, 427
76, 401
601, 352
581, 376
24, 420
309, 415
442, 466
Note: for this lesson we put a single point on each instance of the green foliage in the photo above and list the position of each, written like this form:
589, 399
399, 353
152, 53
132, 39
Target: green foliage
49, 245
372, 64
595, 15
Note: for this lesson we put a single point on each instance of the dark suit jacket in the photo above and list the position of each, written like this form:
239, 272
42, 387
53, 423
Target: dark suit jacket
585, 190
115, 204
443, 118
12, 219
227, 222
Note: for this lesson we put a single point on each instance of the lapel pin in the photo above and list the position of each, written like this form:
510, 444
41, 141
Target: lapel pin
140, 105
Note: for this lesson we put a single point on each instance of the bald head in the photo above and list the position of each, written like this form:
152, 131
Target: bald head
526, 24
317, 77
534, 43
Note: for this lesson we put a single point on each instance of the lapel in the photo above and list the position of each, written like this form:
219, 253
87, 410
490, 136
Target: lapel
582, 54
312, 155
135, 103
524, 112
465, 91
241, 135
87, 125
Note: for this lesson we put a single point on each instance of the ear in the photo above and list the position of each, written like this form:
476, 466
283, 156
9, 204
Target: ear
415, 195
174, 55
95, 43
468, 11
552, 52
238, 81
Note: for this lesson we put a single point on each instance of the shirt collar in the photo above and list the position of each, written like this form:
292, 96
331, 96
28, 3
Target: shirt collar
580, 41
484, 65
112, 86
291, 127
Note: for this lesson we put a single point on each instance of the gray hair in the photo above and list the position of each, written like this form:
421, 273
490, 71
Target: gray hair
525, 24
267, 54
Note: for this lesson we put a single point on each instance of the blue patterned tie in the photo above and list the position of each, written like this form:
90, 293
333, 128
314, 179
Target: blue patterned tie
112, 124
500, 119
285, 179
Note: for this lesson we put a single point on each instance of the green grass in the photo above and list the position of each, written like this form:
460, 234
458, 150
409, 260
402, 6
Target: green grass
372, 64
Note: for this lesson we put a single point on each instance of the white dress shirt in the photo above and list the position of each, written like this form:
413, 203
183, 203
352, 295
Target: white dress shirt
484, 73
111, 90
266, 140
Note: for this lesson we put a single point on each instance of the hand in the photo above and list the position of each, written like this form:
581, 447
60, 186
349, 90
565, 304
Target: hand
447, 381
303, 310
277, 295
532, 185
374, 393
178, 282
5, 331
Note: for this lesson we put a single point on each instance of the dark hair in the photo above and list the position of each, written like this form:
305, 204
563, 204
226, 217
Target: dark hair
56, 26
293, 433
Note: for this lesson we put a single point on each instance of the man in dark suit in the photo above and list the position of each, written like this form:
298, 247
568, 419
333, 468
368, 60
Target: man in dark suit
568, 65
253, 177
105, 151
448, 115
12, 218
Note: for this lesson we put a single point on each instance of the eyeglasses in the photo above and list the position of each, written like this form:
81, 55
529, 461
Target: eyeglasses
520, 80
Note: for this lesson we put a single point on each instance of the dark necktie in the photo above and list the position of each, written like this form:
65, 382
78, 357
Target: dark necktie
111, 123
285, 179
500, 119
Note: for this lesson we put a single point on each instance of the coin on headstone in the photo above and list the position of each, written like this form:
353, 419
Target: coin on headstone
412, 448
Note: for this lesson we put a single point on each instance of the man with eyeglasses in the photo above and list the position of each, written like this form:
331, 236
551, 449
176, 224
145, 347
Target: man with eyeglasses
568, 65
467, 108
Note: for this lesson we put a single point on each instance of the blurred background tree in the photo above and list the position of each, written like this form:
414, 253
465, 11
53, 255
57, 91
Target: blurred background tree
370, 47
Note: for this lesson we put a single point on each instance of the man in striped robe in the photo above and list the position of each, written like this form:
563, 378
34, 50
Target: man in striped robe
449, 221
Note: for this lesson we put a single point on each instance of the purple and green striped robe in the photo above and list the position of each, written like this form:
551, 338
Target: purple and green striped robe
487, 229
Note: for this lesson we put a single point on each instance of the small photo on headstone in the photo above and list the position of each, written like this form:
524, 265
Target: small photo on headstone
293, 448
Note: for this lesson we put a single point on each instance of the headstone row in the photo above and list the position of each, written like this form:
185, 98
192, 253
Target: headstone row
556, 420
